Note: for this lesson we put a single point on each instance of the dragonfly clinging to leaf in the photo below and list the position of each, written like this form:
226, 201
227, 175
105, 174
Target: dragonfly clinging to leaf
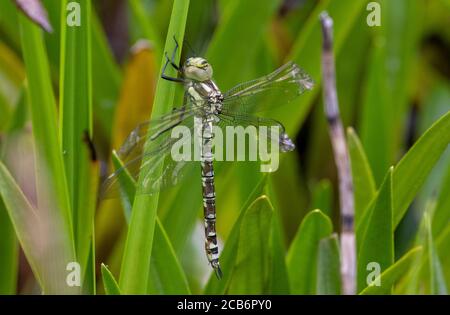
147, 150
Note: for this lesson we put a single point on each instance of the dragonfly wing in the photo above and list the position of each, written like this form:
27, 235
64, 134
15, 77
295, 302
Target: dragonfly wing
147, 152
269, 91
269, 131
152, 133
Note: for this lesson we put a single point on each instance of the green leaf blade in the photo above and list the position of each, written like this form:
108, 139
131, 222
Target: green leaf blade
9, 250
166, 275
412, 170
47, 248
328, 266
303, 252
390, 276
363, 181
376, 241
250, 273
76, 126
134, 272
49, 162
109, 282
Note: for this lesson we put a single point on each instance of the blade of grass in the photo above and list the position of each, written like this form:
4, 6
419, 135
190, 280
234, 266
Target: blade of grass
412, 170
441, 215
302, 254
391, 275
109, 282
417, 280
363, 181
134, 272
278, 282
435, 104
127, 187
9, 258
437, 280
376, 117
322, 197
76, 125
166, 275
51, 177
328, 266
376, 239
251, 270
442, 244
41, 234
134, 105
14, 198
437, 185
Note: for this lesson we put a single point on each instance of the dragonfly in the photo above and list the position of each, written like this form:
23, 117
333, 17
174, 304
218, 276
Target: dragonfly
147, 150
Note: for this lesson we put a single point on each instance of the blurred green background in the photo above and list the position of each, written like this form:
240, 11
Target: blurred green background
99, 80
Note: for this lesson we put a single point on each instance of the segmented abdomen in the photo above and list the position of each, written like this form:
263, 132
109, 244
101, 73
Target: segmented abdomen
209, 198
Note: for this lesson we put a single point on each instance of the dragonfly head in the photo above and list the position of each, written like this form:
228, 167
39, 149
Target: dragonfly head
197, 69
286, 144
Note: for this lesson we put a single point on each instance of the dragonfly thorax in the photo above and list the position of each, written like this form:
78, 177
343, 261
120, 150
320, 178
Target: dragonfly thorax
205, 94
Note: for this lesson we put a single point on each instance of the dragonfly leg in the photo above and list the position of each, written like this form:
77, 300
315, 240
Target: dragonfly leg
169, 78
173, 64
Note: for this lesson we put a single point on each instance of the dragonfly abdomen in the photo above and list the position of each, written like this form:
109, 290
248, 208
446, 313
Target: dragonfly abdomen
209, 197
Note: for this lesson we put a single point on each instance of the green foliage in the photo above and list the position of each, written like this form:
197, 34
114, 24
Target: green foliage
30, 225
110, 284
69, 91
375, 238
133, 276
363, 182
328, 266
412, 170
76, 126
49, 162
10, 254
391, 275
302, 256
165, 273
251, 269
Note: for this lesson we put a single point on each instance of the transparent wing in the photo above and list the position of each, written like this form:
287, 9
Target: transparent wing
151, 133
269, 134
270, 91
155, 138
